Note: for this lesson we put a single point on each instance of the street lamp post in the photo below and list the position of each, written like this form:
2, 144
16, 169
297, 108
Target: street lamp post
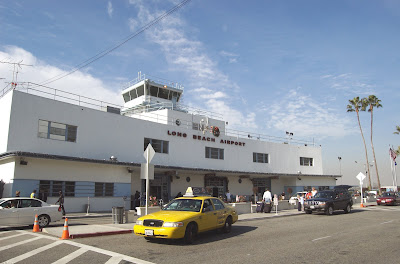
289, 135
340, 169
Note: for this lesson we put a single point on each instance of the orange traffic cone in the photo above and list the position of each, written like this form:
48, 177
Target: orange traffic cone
362, 205
36, 225
65, 234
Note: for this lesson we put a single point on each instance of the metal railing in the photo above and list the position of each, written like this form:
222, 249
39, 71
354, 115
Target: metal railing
158, 80
147, 113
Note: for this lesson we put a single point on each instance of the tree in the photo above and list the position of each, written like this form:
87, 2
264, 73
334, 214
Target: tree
356, 105
373, 101
397, 130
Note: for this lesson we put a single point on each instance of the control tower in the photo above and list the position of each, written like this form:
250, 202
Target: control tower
146, 95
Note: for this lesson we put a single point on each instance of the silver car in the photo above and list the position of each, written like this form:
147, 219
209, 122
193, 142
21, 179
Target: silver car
20, 211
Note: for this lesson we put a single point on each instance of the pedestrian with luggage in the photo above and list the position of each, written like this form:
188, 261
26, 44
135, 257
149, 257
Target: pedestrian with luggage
267, 198
301, 201
61, 202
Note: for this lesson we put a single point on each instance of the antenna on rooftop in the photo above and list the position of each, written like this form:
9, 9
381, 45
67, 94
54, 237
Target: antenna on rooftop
16, 66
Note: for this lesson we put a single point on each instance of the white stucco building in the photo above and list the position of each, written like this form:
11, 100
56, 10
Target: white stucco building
52, 141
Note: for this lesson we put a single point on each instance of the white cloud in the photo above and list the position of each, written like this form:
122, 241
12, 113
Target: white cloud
110, 9
185, 54
79, 83
133, 24
307, 117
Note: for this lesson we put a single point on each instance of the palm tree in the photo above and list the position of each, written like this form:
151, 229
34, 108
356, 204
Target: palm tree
356, 105
397, 130
373, 101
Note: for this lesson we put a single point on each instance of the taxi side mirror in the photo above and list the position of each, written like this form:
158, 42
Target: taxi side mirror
206, 209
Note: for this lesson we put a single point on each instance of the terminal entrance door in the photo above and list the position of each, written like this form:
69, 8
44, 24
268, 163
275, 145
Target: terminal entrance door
160, 187
216, 185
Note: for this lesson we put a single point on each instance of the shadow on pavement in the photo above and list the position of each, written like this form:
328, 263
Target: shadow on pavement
206, 237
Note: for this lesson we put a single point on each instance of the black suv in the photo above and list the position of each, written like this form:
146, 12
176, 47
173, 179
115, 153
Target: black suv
329, 200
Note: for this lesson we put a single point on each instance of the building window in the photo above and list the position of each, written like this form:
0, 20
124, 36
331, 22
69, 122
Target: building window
195, 126
214, 153
306, 161
69, 188
53, 188
159, 146
260, 157
103, 189
57, 131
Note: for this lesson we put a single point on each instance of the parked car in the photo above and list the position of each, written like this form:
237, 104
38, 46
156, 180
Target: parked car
388, 198
185, 217
294, 200
329, 201
20, 211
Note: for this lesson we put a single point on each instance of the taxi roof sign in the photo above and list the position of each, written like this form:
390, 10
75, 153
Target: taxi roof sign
196, 191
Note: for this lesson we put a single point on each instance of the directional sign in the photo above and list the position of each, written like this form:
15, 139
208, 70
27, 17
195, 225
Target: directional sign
361, 177
147, 171
149, 153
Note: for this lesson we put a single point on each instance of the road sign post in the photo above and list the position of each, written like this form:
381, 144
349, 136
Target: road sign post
147, 170
361, 178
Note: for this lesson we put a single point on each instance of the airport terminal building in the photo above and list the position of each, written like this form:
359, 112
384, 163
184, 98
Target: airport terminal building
55, 141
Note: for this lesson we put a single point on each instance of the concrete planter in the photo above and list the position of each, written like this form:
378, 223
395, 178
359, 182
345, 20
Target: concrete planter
241, 208
142, 210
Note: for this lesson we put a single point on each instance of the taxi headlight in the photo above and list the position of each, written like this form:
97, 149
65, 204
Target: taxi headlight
139, 222
173, 224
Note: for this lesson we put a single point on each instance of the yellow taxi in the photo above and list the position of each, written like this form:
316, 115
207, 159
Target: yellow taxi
187, 216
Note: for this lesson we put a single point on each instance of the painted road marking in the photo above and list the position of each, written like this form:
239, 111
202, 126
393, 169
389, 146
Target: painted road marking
387, 222
71, 256
320, 238
112, 254
114, 260
3, 238
19, 243
33, 252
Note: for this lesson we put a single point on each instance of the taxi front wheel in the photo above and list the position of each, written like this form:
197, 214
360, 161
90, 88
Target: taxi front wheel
228, 225
190, 234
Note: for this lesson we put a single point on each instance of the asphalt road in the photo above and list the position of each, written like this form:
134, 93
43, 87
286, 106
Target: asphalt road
363, 236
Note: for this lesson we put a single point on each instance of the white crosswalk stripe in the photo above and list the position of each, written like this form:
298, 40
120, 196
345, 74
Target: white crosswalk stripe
7, 237
19, 243
82, 249
33, 252
71, 256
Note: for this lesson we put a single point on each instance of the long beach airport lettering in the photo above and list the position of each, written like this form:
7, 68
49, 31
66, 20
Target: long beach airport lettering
203, 138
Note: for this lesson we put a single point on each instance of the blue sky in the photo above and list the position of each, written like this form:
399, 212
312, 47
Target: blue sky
266, 66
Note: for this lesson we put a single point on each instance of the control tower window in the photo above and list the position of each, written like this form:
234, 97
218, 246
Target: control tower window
153, 91
163, 93
126, 96
140, 91
133, 94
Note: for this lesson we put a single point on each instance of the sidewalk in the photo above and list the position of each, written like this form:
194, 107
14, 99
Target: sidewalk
90, 230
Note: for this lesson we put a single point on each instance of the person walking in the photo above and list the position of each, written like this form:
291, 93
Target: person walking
267, 197
228, 196
17, 194
33, 194
61, 202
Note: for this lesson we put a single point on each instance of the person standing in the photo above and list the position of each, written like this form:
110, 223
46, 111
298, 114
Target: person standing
301, 201
314, 191
17, 194
228, 196
33, 194
61, 202
136, 200
267, 197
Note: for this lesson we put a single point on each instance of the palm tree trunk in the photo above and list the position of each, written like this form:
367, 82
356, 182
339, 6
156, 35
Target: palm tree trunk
373, 152
366, 153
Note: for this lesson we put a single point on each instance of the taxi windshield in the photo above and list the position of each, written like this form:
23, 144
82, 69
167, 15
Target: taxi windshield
191, 205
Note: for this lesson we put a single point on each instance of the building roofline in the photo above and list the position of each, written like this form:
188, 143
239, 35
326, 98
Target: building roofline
23, 154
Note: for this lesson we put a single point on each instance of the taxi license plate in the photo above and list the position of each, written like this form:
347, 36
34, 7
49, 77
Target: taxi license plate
149, 232
312, 206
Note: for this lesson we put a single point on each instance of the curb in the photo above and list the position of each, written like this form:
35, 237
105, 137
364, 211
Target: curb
101, 234
267, 217
86, 216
